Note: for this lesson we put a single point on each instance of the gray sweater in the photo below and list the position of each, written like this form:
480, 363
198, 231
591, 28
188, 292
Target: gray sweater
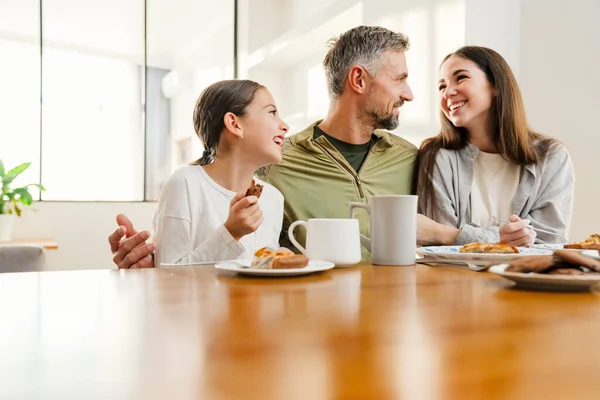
544, 195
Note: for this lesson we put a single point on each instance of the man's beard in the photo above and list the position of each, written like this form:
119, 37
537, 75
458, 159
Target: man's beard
389, 121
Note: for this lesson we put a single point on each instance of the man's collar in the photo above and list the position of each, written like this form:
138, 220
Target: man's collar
304, 138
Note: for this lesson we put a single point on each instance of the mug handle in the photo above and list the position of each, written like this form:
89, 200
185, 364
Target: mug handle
365, 241
293, 239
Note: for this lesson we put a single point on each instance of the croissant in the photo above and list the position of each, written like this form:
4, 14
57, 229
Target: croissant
281, 258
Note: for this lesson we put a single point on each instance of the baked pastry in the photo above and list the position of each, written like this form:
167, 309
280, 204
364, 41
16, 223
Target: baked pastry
497, 248
591, 243
255, 189
281, 258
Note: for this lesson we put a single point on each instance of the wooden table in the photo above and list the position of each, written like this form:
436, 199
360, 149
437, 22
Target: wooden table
46, 244
362, 333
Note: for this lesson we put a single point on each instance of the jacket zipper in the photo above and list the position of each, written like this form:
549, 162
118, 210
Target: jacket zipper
349, 170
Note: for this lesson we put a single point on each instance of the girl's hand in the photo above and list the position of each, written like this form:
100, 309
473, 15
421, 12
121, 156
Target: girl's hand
245, 216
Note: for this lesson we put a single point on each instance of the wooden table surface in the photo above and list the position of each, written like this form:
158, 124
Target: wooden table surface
361, 333
47, 244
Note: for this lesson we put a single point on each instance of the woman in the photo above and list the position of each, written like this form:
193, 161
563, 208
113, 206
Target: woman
487, 164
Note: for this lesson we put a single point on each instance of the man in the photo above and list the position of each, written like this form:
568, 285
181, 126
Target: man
344, 158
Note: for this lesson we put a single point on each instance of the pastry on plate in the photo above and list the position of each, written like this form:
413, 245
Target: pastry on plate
591, 243
489, 248
281, 258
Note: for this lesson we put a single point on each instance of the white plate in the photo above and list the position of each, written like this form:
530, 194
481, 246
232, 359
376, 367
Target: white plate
452, 254
241, 267
545, 281
547, 246
190, 264
590, 253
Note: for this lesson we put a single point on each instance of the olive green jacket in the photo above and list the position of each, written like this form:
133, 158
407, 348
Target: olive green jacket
317, 182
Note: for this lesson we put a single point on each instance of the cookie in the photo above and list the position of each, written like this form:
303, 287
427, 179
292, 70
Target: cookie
566, 271
255, 189
578, 259
537, 264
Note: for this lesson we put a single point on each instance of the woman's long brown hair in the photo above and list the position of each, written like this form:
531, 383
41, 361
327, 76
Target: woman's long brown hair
511, 135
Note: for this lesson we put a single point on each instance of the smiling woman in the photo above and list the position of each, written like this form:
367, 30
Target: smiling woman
486, 163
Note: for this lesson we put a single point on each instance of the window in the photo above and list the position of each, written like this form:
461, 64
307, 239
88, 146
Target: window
92, 135
20, 86
117, 85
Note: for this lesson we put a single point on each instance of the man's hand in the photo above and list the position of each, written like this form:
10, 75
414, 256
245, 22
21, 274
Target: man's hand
517, 233
245, 216
129, 247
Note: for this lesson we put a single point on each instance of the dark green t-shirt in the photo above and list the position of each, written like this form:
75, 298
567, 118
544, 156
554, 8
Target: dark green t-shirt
355, 154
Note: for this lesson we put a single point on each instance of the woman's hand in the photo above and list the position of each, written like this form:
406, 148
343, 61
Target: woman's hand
517, 233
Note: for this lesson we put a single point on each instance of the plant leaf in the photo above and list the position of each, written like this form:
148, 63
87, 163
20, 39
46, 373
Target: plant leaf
24, 196
7, 180
38, 185
18, 169
1, 168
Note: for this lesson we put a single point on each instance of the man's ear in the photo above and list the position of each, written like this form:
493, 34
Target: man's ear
357, 79
232, 125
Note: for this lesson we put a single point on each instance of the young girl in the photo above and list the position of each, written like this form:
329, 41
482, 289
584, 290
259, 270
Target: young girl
486, 163
203, 213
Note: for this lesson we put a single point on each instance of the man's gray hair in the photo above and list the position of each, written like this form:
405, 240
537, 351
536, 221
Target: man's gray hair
364, 46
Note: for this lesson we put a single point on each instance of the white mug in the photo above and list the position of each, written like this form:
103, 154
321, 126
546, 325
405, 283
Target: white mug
393, 229
331, 239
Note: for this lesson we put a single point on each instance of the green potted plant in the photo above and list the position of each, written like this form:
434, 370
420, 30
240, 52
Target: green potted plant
12, 200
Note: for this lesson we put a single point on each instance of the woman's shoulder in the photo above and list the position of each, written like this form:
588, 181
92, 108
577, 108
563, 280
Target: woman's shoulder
552, 150
554, 146
445, 156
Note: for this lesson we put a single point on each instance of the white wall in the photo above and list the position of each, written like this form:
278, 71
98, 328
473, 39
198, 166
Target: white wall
81, 230
496, 24
560, 60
